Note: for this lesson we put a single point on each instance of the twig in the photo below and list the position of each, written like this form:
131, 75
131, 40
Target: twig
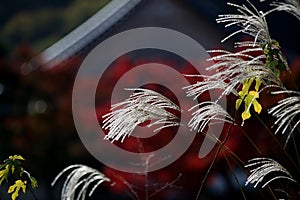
170, 185
235, 178
214, 160
33, 194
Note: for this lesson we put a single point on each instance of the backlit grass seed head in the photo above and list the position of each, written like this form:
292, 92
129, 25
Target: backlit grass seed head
250, 20
143, 105
81, 178
208, 113
286, 112
231, 70
262, 168
290, 6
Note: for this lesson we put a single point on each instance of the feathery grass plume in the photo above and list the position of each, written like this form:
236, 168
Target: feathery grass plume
290, 6
263, 168
250, 20
286, 112
143, 105
257, 55
253, 22
80, 176
208, 112
260, 60
231, 69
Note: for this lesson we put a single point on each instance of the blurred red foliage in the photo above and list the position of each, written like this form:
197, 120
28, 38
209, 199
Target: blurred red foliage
49, 140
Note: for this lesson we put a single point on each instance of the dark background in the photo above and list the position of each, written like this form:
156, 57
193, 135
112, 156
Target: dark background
35, 109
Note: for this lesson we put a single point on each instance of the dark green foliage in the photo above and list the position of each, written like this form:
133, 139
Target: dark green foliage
43, 25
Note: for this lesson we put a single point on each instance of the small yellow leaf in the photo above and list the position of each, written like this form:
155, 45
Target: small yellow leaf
11, 189
257, 84
34, 183
246, 115
12, 169
14, 189
241, 93
3, 174
254, 94
266, 51
16, 157
249, 97
257, 106
14, 196
238, 103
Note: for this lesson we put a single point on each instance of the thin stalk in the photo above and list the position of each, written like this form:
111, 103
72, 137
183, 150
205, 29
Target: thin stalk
231, 153
276, 140
33, 194
146, 178
251, 141
271, 191
214, 159
296, 149
132, 192
235, 178
171, 184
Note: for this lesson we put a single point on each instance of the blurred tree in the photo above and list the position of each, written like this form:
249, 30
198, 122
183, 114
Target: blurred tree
44, 26
11, 7
35, 113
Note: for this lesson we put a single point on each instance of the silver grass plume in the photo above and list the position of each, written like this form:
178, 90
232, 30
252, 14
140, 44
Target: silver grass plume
290, 6
264, 167
82, 177
231, 69
250, 20
286, 112
208, 113
143, 105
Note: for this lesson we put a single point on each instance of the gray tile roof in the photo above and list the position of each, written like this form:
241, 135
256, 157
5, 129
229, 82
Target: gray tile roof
86, 32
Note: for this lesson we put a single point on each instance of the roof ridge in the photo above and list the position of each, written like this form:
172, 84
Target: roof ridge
83, 34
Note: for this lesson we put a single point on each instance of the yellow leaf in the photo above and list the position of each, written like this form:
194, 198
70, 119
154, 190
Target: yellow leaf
14, 189
241, 93
16, 157
249, 97
11, 189
257, 106
238, 103
254, 94
246, 115
12, 169
34, 183
3, 174
14, 196
257, 83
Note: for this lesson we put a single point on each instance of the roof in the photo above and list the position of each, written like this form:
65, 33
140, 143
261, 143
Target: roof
84, 34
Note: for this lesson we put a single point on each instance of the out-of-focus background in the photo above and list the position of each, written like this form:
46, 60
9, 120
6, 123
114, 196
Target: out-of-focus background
35, 102
42, 23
